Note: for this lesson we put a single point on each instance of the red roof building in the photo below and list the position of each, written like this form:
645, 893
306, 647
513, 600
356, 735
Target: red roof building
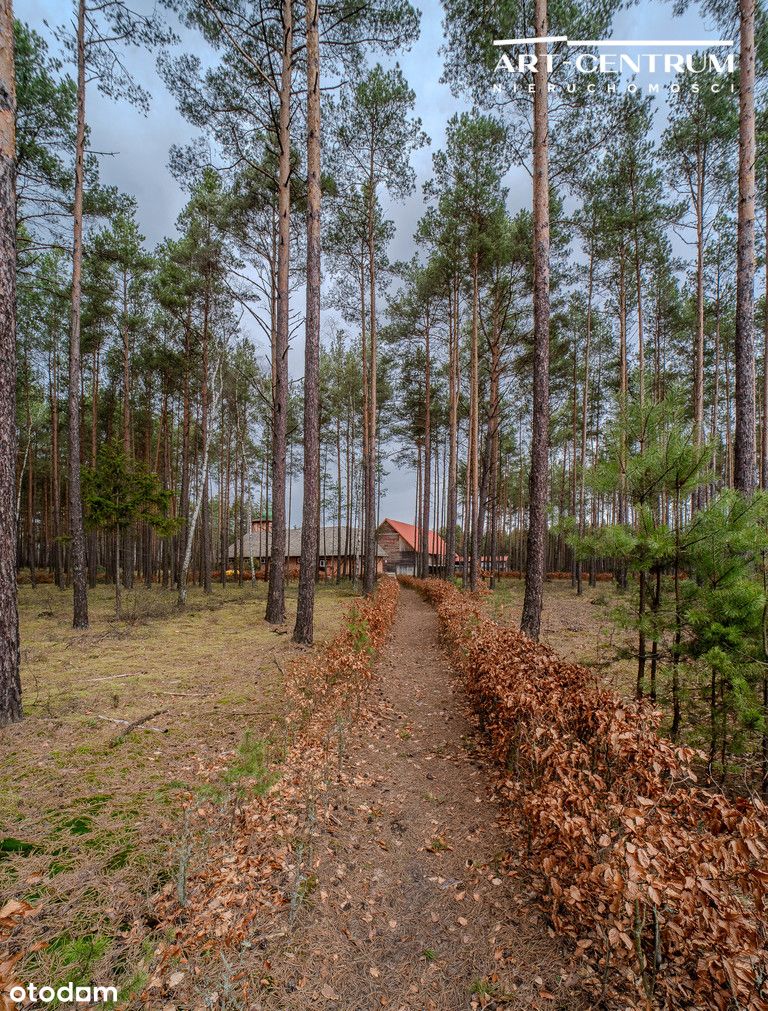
402, 541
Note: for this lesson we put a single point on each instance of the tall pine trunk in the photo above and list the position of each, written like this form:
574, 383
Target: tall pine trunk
537, 517
744, 444
76, 527
426, 490
192, 524
584, 411
276, 592
338, 495
305, 609
58, 547
453, 430
474, 433
764, 433
93, 536
369, 564
10, 682
698, 353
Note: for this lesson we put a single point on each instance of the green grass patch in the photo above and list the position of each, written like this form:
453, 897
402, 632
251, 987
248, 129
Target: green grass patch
251, 765
73, 959
10, 845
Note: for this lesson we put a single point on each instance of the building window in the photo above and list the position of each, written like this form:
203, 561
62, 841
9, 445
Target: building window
322, 565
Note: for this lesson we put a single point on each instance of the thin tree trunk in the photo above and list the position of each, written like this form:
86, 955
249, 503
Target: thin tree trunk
185, 439
640, 688
118, 582
242, 530
304, 628
426, 491
275, 613
369, 565
584, 412
184, 571
744, 447
250, 539
453, 408
224, 498
474, 434
205, 533
93, 535
31, 545
639, 284
338, 495
58, 550
78, 572
764, 440
535, 568
10, 682
698, 354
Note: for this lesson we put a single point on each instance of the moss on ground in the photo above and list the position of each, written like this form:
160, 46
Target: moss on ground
92, 822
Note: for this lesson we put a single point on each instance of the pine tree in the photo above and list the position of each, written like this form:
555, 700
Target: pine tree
303, 631
10, 682
377, 132
101, 30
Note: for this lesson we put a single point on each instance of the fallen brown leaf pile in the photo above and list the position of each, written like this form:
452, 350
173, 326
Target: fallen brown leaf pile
264, 859
660, 883
11, 915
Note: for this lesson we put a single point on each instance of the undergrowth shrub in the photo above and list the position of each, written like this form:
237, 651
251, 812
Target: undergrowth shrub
661, 883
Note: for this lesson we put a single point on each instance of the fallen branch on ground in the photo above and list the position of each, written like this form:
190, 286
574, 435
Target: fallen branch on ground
133, 725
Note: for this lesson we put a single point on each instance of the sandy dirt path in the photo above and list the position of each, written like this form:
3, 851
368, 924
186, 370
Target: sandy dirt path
411, 908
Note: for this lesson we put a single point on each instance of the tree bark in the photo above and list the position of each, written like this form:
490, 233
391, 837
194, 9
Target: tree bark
275, 613
58, 550
426, 489
474, 434
764, 433
338, 494
369, 565
192, 525
639, 283
584, 410
537, 521
453, 426
118, 583
76, 527
93, 536
744, 446
698, 353
185, 440
10, 682
304, 628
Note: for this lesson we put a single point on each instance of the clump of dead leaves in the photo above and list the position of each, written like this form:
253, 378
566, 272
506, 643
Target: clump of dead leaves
262, 860
12, 915
662, 885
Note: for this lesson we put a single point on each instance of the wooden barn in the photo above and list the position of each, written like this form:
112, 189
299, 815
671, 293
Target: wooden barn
332, 556
400, 543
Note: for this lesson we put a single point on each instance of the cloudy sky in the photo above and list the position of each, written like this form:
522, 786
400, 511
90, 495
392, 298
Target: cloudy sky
137, 145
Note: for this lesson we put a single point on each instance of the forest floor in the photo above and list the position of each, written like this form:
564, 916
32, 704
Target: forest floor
579, 628
416, 904
91, 823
